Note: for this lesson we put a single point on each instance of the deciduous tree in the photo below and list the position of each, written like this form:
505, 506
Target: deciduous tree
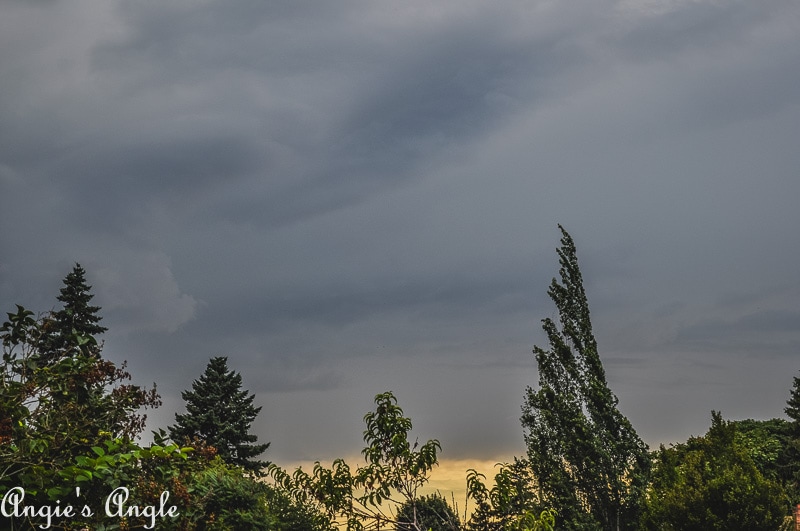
55, 418
512, 504
711, 483
428, 513
395, 469
588, 460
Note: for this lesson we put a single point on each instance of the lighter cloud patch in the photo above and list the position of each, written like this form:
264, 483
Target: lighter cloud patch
654, 8
8, 175
140, 292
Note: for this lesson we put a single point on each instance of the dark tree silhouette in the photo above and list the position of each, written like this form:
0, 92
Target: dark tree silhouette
219, 413
589, 462
76, 324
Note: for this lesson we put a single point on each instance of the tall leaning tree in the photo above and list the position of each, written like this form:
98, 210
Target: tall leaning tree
219, 413
588, 461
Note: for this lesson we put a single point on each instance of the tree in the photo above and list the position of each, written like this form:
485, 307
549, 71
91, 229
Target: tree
71, 423
56, 418
588, 460
765, 442
394, 471
711, 483
77, 318
509, 504
792, 408
428, 513
219, 413
790, 471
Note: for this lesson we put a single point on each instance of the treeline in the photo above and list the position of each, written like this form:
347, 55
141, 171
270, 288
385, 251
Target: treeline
70, 419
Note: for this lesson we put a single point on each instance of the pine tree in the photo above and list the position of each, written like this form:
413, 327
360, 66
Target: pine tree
790, 469
792, 408
219, 414
76, 324
588, 460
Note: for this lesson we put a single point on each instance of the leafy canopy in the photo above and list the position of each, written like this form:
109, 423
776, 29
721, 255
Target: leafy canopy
428, 513
395, 469
712, 483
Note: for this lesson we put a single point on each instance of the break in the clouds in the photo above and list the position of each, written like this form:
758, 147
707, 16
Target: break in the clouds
353, 197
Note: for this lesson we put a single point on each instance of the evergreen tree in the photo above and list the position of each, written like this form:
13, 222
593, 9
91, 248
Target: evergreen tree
588, 460
790, 471
56, 418
77, 319
219, 413
89, 397
792, 408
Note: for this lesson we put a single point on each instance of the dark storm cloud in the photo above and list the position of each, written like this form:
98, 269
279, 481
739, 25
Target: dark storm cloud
339, 109
351, 197
763, 333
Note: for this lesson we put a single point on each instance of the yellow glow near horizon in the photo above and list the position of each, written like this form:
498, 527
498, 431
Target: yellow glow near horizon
449, 478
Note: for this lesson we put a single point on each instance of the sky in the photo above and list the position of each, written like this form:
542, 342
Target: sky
346, 198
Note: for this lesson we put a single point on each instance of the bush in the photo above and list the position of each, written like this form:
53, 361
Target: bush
427, 513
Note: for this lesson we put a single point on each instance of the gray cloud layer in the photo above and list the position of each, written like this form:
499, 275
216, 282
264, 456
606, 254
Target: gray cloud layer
353, 197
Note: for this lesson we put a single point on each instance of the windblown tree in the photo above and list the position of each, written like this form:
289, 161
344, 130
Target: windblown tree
219, 413
587, 458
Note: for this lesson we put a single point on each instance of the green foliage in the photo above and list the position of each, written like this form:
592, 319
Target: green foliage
765, 442
219, 413
511, 500
214, 495
393, 463
530, 521
67, 421
55, 412
294, 516
711, 483
792, 408
224, 497
790, 460
587, 458
394, 471
428, 513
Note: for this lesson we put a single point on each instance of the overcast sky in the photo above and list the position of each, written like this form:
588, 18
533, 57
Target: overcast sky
351, 197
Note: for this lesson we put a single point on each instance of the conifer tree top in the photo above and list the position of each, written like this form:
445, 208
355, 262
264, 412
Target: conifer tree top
77, 312
792, 408
219, 413
76, 324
